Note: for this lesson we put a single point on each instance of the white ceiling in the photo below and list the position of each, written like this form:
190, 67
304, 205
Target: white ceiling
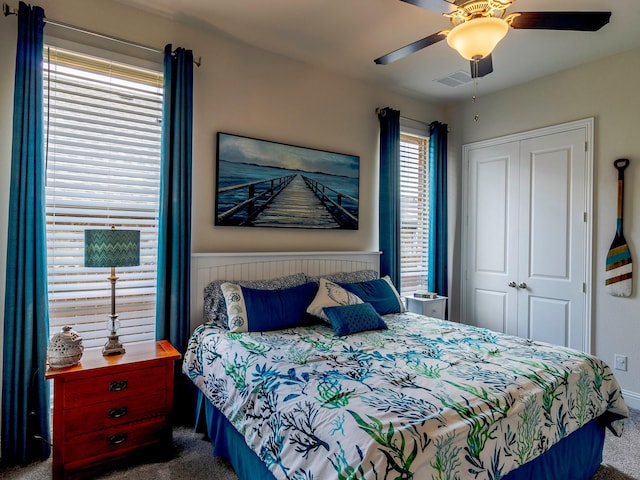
346, 35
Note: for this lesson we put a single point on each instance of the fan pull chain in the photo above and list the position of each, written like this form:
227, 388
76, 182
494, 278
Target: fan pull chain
476, 116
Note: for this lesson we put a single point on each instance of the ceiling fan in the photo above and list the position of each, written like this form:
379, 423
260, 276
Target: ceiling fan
478, 26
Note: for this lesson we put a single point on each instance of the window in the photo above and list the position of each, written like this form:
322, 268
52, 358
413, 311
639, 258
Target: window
414, 212
102, 146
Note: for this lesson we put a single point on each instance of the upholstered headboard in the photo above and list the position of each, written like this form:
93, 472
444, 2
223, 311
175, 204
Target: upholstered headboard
207, 267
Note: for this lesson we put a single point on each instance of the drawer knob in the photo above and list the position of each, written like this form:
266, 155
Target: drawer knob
118, 412
117, 439
118, 385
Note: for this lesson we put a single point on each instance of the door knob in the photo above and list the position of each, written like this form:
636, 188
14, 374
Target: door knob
512, 284
522, 285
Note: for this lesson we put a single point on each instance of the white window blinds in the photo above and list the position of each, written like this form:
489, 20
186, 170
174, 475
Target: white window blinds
414, 213
102, 143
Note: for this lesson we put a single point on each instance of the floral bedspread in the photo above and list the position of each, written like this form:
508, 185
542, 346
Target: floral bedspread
427, 398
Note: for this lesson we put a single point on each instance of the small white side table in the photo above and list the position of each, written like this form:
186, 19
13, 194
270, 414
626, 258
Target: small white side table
429, 307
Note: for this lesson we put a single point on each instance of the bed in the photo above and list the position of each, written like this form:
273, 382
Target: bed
389, 395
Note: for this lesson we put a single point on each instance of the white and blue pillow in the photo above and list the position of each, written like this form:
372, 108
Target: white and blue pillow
330, 294
256, 310
214, 304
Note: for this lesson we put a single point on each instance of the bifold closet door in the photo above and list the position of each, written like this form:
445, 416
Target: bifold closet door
526, 249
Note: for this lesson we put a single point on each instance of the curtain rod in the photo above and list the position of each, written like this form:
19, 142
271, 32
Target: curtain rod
378, 110
414, 120
12, 11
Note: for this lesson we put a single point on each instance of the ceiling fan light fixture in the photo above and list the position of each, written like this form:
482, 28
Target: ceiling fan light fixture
476, 38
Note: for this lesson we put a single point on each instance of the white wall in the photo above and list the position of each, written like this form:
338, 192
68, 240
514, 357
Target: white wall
238, 89
606, 90
8, 34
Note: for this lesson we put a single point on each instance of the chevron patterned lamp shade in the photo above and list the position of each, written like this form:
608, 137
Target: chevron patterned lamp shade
111, 248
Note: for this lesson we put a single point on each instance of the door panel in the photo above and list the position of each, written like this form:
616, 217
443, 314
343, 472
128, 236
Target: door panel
491, 309
492, 207
551, 320
549, 184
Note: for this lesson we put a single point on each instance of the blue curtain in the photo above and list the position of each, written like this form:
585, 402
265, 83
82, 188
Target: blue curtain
389, 201
438, 276
25, 394
174, 237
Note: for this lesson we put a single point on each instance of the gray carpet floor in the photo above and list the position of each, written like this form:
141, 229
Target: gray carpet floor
192, 460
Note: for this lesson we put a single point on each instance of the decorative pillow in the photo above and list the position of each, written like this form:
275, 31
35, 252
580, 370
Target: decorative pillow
380, 293
330, 295
255, 310
351, 277
348, 319
214, 305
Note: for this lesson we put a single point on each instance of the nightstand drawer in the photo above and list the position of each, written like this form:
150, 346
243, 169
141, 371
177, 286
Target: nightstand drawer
89, 391
429, 307
113, 441
434, 309
117, 412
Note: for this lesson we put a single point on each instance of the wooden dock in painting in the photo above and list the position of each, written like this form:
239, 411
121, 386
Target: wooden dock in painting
293, 201
295, 206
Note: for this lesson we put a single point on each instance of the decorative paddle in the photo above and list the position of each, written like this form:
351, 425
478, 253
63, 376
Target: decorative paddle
619, 266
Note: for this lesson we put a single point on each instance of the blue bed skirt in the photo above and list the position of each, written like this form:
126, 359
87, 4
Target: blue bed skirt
575, 457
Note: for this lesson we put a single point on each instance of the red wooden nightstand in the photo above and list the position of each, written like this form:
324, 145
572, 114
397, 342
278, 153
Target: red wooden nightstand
107, 408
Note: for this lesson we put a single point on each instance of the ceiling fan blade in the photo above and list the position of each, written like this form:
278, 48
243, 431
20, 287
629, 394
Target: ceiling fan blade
409, 49
581, 21
482, 67
438, 6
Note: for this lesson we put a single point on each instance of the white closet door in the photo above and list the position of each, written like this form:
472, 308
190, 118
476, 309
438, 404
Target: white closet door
492, 237
527, 234
552, 238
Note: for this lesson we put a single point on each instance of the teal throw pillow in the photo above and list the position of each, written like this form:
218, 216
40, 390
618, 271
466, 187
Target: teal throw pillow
348, 319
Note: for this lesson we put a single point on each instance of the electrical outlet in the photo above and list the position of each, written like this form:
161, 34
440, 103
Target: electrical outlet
620, 362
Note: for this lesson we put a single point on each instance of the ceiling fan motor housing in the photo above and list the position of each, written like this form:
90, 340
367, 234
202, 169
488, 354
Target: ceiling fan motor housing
477, 9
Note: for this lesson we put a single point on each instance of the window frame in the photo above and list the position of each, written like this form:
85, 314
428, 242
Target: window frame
81, 296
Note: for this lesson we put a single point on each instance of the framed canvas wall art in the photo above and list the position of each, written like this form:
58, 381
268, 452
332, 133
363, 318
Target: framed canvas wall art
261, 183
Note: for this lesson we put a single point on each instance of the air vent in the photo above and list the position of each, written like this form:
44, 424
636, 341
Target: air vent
455, 79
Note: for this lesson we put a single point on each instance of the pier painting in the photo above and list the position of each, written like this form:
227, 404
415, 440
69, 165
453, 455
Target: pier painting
267, 184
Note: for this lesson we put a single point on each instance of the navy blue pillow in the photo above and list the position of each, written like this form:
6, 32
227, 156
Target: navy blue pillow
380, 293
348, 319
257, 310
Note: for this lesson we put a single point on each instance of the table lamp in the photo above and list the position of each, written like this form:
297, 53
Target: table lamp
112, 248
